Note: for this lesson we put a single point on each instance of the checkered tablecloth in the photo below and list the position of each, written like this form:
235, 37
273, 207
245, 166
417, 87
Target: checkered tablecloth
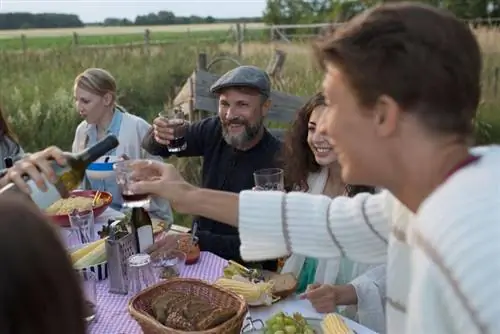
112, 312
112, 309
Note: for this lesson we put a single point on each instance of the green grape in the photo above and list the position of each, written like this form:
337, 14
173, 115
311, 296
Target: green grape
276, 327
279, 332
289, 321
279, 321
290, 329
270, 322
268, 331
309, 331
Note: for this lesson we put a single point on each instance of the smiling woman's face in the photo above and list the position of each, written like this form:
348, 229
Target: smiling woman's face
320, 145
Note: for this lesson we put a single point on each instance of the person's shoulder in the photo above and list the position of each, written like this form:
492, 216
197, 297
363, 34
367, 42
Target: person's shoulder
82, 126
465, 209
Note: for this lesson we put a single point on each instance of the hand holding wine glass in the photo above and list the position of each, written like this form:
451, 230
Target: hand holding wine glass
161, 179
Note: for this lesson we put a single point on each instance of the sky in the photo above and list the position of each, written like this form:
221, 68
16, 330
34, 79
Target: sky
98, 10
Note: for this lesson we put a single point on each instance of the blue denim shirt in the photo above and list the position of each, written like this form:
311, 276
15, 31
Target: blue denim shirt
109, 184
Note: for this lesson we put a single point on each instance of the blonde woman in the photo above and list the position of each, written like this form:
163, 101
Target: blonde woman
95, 100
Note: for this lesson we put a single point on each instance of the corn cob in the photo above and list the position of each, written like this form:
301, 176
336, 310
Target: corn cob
333, 324
251, 292
96, 256
78, 254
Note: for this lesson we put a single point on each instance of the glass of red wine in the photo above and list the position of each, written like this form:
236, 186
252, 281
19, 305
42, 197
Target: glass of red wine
177, 121
125, 176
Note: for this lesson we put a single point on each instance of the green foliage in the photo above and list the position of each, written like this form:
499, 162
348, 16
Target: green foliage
313, 11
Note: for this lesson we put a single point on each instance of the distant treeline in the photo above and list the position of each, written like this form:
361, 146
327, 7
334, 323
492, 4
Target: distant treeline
50, 20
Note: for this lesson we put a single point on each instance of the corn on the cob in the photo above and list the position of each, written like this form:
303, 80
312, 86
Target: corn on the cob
96, 256
333, 324
252, 292
78, 254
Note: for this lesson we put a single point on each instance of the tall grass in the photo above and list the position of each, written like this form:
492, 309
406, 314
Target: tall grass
36, 87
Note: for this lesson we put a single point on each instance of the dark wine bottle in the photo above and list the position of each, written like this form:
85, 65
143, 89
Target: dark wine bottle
142, 228
69, 177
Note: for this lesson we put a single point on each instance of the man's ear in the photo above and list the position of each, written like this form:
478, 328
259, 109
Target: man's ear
266, 106
386, 116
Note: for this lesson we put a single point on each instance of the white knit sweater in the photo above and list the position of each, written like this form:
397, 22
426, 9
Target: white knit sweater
454, 271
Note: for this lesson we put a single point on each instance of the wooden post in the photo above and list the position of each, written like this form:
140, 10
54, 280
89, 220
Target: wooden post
75, 38
495, 81
24, 42
202, 62
239, 39
147, 35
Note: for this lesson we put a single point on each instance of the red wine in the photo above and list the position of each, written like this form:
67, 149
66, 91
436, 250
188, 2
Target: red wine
134, 197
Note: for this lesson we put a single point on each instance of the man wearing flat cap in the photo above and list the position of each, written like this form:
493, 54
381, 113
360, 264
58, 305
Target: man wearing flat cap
233, 144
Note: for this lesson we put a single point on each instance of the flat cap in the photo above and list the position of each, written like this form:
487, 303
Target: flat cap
244, 76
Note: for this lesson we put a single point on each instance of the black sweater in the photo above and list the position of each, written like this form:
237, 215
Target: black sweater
224, 168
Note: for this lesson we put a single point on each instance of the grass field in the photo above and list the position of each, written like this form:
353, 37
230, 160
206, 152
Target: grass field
36, 87
61, 38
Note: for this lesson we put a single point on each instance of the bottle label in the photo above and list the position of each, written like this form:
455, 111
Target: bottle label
43, 199
145, 237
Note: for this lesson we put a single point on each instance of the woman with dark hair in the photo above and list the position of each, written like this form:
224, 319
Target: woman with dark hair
310, 165
10, 150
39, 289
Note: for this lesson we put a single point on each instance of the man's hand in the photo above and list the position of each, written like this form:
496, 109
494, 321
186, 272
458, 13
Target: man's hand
36, 166
325, 297
163, 180
164, 130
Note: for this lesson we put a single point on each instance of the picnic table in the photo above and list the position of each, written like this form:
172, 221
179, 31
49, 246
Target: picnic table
112, 309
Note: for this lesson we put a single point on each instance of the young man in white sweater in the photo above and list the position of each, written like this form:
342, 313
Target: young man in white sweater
403, 83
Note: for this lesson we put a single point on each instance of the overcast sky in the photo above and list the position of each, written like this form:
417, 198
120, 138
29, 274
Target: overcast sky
98, 10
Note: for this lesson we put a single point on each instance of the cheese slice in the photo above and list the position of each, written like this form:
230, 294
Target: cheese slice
334, 324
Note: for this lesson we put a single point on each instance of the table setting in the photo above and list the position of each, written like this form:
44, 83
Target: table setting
174, 289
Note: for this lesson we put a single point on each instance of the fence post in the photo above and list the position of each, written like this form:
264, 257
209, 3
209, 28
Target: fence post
75, 38
24, 42
147, 36
202, 62
239, 39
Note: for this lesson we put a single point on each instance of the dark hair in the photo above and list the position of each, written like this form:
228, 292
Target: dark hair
5, 129
298, 159
423, 57
39, 288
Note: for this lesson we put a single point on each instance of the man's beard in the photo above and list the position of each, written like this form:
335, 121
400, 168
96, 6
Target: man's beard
241, 140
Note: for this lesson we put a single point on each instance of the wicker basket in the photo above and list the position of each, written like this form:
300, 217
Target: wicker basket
140, 305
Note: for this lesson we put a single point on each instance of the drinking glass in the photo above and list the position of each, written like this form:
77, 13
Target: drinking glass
83, 225
177, 121
124, 178
88, 281
140, 273
269, 179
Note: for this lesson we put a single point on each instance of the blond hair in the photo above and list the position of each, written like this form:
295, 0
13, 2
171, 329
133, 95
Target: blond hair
97, 81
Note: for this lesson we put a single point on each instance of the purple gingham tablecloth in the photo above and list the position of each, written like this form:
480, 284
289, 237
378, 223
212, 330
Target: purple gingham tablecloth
112, 309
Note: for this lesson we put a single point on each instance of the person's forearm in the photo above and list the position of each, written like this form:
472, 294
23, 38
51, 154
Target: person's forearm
217, 205
346, 295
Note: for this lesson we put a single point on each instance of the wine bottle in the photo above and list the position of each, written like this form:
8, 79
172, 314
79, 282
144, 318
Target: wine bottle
69, 177
142, 228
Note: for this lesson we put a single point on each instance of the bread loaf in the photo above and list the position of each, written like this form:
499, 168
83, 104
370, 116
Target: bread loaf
284, 284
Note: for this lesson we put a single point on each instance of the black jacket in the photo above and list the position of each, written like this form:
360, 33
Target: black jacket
224, 168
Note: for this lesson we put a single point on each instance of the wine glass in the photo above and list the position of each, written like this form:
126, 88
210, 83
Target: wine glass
124, 178
177, 121
269, 179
